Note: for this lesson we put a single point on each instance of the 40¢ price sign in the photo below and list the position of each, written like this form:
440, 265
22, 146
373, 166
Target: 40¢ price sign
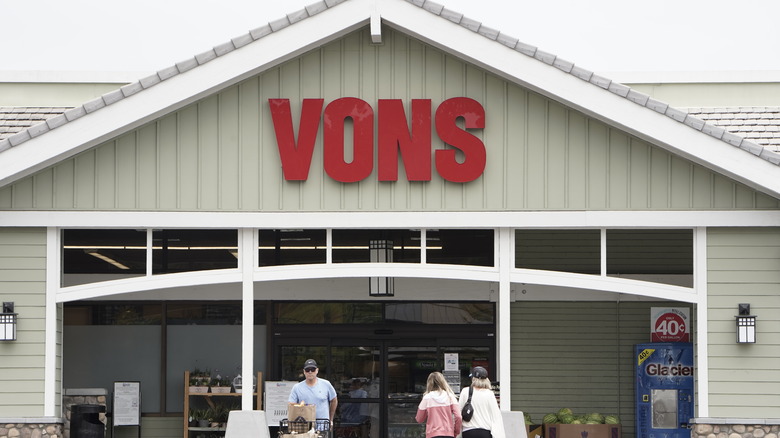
670, 324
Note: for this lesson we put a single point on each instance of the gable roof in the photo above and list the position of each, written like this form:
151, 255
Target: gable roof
172, 88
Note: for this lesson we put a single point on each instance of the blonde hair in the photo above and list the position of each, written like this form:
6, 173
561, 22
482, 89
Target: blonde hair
437, 382
478, 383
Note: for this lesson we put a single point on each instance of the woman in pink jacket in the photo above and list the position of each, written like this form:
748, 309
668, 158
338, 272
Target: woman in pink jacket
439, 409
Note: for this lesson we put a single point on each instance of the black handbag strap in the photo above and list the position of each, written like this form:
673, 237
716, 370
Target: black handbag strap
471, 391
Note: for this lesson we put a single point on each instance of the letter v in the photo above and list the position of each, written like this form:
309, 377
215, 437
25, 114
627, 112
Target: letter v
296, 158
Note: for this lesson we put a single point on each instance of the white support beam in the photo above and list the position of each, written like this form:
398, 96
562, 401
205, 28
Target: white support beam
702, 336
503, 333
246, 258
50, 339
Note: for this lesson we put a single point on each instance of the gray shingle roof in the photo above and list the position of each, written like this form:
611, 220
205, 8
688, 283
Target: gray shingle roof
475, 26
14, 119
758, 124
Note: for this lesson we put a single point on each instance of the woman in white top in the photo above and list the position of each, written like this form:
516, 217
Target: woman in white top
487, 421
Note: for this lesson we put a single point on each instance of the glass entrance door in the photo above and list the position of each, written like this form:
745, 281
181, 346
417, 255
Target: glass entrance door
380, 382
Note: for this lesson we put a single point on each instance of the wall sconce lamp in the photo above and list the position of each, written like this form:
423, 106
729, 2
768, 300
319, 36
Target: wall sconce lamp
746, 325
381, 251
8, 322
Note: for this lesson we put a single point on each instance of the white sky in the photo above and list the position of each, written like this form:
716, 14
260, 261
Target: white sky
600, 35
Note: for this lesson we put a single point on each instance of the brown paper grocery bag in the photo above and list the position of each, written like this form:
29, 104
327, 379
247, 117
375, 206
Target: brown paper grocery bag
301, 413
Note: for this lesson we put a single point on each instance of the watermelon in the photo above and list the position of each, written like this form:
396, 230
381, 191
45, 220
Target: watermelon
596, 418
566, 418
611, 419
576, 421
550, 418
527, 418
564, 411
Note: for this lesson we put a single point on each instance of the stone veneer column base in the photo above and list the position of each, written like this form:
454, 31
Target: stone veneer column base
30, 427
735, 428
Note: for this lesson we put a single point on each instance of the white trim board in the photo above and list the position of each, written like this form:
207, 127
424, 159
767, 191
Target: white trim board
393, 219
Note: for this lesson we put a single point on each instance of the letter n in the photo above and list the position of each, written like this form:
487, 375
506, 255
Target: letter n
394, 135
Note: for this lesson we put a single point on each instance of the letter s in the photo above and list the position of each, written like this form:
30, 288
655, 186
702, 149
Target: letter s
472, 147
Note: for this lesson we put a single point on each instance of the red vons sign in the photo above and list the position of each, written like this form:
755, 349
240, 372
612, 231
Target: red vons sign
394, 135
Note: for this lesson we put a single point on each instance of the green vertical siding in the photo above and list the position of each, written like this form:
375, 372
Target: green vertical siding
578, 355
219, 154
23, 281
744, 267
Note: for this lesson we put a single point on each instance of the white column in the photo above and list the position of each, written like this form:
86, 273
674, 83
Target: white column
247, 254
503, 338
50, 333
702, 336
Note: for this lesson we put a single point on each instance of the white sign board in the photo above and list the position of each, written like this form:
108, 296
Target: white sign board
127, 403
277, 395
450, 361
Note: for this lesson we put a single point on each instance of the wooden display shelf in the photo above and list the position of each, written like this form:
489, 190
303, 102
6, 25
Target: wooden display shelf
209, 398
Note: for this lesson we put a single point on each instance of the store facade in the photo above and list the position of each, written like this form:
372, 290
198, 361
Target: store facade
378, 183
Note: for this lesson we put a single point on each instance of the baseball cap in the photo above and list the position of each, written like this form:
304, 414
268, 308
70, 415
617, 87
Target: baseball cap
310, 363
479, 373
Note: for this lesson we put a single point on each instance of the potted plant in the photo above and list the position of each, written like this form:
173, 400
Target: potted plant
199, 417
220, 386
199, 382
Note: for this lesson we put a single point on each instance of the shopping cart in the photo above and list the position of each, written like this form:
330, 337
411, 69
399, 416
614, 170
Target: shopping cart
320, 426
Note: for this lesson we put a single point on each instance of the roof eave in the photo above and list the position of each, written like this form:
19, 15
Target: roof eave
175, 87
593, 95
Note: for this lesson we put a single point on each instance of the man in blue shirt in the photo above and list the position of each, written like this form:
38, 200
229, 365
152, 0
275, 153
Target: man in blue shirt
315, 391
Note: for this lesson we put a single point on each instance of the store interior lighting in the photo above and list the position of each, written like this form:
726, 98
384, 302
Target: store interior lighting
95, 253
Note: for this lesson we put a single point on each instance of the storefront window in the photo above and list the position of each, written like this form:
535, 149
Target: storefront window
661, 256
194, 250
440, 313
90, 256
577, 251
111, 341
373, 313
292, 247
216, 313
461, 247
354, 246
328, 313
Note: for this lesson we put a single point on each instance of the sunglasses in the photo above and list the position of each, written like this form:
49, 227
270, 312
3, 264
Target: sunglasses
310, 370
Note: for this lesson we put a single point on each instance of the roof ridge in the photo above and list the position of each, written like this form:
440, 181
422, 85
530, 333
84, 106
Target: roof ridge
166, 73
435, 8
569, 67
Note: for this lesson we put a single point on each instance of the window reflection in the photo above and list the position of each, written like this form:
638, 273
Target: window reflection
577, 251
292, 247
661, 256
90, 256
194, 250
460, 247
353, 246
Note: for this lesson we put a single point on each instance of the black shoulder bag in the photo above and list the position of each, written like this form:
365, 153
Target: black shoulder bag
468, 411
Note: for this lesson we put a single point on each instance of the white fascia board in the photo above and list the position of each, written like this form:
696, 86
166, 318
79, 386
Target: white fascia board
180, 90
591, 99
385, 219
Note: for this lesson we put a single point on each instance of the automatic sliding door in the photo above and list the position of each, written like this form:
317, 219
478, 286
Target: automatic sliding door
358, 381
407, 373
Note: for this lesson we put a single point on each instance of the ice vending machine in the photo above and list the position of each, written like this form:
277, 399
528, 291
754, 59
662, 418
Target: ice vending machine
664, 389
